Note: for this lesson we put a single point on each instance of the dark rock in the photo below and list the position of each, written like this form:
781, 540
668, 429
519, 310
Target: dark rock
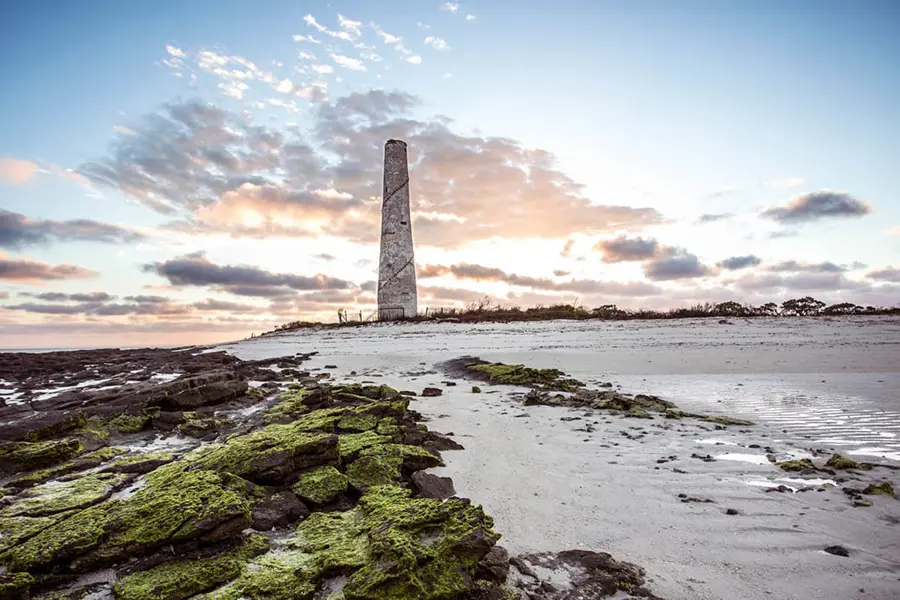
408, 393
431, 392
331, 366
429, 485
494, 566
837, 551
278, 511
732, 511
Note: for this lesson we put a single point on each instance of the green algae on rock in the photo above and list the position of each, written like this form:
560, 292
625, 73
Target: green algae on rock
352, 443
383, 464
884, 487
182, 579
320, 485
36, 455
544, 379
15, 585
85, 461
125, 423
57, 497
801, 464
842, 463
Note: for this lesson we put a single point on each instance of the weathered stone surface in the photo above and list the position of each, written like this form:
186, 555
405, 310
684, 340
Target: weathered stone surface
429, 485
396, 269
431, 392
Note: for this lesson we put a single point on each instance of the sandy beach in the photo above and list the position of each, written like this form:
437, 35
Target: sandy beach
813, 386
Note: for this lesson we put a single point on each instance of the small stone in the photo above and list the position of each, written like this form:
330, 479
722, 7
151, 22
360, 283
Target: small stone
431, 392
408, 393
837, 551
331, 366
732, 511
476, 389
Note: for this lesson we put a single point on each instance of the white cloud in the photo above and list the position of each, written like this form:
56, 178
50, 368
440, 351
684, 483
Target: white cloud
371, 56
436, 43
423, 25
354, 64
306, 56
288, 106
285, 86
892, 231
123, 130
416, 60
470, 17
351, 26
176, 51
323, 69
450, 7
332, 194
305, 38
234, 89
387, 37
311, 21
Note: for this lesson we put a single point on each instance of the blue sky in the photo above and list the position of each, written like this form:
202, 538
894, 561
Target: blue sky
568, 149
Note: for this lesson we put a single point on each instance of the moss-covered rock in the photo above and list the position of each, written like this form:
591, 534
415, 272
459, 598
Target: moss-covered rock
57, 497
351, 443
173, 506
267, 456
801, 464
202, 427
139, 463
884, 487
842, 463
357, 422
14, 530
14, 586
182, 579
383, 464
126, 423
545, 379
85, 461
320, 485
724, 420
27, 456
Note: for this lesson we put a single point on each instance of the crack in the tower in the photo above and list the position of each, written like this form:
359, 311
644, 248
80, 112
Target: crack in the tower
391, 195
397, 272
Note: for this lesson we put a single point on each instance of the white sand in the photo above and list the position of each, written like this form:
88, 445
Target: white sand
810, 383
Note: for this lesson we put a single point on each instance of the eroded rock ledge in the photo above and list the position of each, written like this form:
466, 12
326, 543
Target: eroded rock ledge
235, 480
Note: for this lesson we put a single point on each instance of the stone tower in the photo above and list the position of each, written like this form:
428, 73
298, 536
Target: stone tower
397, 267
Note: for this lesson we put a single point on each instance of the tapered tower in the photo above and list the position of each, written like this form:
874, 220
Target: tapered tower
397, 267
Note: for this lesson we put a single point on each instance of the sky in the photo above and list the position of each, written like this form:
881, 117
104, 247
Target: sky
192, 172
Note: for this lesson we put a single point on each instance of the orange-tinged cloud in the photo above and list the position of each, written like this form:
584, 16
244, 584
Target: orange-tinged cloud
16, 170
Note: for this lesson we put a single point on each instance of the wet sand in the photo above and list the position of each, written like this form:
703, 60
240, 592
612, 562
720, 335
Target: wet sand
811, 384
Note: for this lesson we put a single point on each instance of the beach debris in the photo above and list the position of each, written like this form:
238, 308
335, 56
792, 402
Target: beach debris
431, 392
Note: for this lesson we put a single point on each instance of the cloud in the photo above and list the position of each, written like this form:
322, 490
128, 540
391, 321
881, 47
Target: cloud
4, 295
804, 267
24, 270
211, 304
813, 206
713, 217
581, 286
102, 309
415, 59
354, 64
470, 17
175, 51
141, 299
560, 273
350, 26
676, 265
801, 282
16, 170
60, 297
892, 231
215, 171
197, 270
886, 274
450, 7
323, 69
735, 263
18, 231
567, 248
436, 43
625, 249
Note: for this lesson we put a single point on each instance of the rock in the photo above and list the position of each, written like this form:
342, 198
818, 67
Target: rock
429, 485
884, 487
732, 511
408, 393
431, 392
331, 366
320, 485
279, 510
580, 574
841, 463
476, 389
861, 503
837, 551
494, 566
